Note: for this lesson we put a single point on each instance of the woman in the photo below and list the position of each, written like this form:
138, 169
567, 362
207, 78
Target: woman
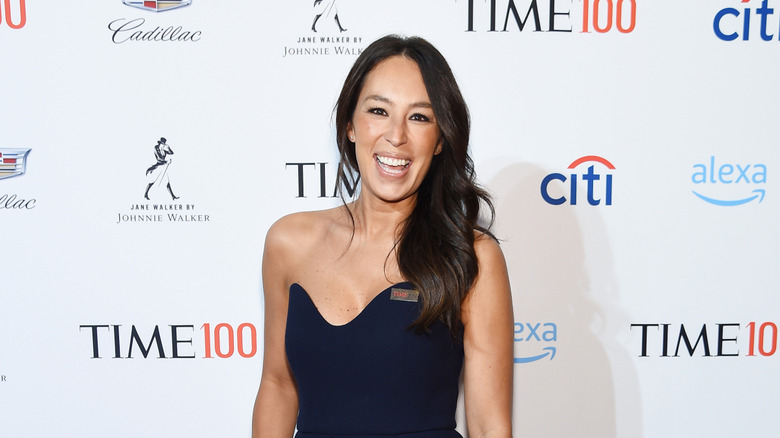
343, 360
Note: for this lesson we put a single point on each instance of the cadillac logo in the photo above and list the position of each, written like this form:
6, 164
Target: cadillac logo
158, 5
13, 162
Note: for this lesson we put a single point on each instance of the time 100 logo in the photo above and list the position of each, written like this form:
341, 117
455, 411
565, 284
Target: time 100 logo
602, 13
177, 341
601, 16
7, 14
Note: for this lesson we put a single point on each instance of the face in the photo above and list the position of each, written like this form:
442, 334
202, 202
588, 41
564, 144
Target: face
395, 131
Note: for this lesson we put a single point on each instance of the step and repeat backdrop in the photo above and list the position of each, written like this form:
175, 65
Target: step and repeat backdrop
631, 147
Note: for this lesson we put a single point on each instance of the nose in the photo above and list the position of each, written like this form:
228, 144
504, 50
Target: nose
396, 131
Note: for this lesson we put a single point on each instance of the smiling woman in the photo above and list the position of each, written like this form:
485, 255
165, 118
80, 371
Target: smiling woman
395, 133
374, 308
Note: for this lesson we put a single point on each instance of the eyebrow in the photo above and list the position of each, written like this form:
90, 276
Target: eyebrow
384, 99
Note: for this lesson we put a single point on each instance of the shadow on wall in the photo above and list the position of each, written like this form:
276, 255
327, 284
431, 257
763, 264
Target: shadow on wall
567, 322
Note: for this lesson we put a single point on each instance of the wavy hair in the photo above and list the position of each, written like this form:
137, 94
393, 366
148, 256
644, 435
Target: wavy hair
435, 244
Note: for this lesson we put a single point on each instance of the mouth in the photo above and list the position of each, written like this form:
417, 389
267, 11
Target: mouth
393, 166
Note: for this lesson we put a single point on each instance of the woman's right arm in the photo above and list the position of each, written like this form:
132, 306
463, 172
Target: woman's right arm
276, 405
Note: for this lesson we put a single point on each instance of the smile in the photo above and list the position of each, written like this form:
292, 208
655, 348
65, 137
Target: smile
392, 165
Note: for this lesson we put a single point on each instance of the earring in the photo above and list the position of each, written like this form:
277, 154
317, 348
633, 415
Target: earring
352, 139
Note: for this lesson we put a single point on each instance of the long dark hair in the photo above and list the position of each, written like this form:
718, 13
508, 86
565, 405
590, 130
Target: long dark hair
435, 244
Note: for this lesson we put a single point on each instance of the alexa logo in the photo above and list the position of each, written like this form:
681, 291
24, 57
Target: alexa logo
593, 171
535, 341
158, 6
729, 184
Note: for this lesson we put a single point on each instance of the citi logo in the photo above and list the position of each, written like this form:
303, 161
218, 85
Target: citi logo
158, 5
731, 23
15, 18
536, 340
598, 185
729, 185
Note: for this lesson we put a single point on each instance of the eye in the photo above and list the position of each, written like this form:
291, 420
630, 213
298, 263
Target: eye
378, 111
420, 117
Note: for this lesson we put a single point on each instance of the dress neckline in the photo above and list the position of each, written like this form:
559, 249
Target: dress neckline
385, 291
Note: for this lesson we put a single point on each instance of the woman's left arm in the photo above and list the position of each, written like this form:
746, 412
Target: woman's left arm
488, 343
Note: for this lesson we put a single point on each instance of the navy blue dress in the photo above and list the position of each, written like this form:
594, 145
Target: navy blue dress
373, 376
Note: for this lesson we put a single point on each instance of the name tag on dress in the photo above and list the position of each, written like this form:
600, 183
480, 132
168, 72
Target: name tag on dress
398, 294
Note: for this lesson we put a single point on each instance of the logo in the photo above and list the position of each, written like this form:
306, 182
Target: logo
328, 37
158, 6
401, 294
328, 9
729, 185
601, 16
177, 341
158, 189
13, 162
312, 177
537, 339
729, 22
709, 340
158, 172
13, 17
135, 29
599, 186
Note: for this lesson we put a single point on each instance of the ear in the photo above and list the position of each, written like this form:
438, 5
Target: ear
350, 132
439, 146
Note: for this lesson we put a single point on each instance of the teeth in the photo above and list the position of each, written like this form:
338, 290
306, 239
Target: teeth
395, 162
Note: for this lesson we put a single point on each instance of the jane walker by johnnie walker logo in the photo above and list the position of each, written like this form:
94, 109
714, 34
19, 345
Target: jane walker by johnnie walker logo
327, 35
158, 190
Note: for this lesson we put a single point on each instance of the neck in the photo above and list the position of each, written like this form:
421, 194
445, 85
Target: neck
375, 219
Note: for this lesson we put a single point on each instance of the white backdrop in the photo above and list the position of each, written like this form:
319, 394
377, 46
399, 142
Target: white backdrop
129, 317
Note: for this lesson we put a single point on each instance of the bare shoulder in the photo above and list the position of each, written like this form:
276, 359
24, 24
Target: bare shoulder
490, 292
294, 230
294, 238
489, 252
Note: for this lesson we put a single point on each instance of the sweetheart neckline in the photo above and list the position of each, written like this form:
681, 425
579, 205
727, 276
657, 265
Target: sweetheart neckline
361, 312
